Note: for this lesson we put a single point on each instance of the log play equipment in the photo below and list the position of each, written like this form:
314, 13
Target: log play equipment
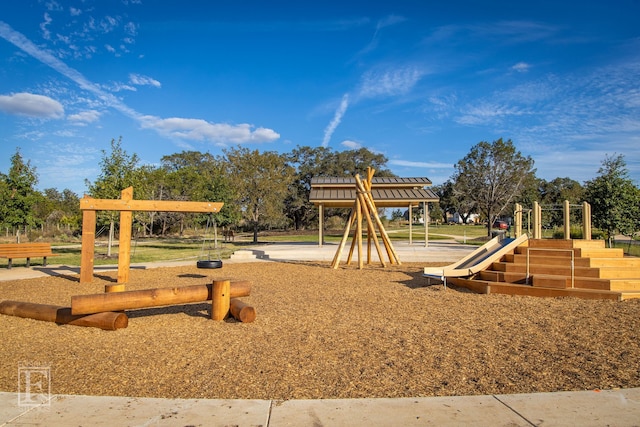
126, 205
62, 315
364, 206
148, 298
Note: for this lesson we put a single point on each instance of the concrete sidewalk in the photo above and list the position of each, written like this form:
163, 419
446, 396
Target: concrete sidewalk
584, 408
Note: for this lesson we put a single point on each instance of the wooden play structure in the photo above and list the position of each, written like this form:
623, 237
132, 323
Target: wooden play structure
106, 310
126, 205
364, 207
581, 268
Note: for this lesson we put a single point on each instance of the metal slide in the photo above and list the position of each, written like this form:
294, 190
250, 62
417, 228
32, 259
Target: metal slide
477, 260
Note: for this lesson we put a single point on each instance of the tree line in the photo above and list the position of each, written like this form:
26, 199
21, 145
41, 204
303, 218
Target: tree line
270, 190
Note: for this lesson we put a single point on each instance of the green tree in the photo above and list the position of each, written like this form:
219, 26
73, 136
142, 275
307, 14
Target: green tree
311, 162
492, 175
261, 182
614, 198
18, 195
553, 194
118, 171
197, 176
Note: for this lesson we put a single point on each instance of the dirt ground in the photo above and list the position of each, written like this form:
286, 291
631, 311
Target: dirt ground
323, 333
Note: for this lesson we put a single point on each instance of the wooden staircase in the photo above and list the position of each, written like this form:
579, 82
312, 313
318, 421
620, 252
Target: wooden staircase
560, 268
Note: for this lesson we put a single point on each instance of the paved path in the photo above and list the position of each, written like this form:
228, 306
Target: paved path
582, 408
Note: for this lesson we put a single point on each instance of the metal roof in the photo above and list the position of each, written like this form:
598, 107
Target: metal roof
386, 192
323, 181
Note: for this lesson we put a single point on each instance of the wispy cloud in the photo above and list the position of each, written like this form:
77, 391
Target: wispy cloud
182, 128
31, 105
84, 118
521, 67
351, 145
389, 82
337, 118
420, 165
140, 80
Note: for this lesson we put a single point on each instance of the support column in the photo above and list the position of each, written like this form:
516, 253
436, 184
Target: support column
410, 224
518, 220
124, 248
88, 245
586, 221
537, 227
566, 209
320, 224
426, 223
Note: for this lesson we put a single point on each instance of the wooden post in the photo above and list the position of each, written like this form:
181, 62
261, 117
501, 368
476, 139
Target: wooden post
321, 224
88, 246
242, 311
124, 240
567, 220
372, 231
518, 220
586, 221
427, 218
537, 234
410, 224
220, 299
62, 315
345, 236
147, 298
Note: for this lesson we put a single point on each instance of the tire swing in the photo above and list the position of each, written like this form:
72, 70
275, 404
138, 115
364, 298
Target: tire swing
208, 262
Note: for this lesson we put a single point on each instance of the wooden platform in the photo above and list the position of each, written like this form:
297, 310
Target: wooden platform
560, 268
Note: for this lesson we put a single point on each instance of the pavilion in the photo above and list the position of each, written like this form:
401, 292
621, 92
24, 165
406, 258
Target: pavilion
387, 192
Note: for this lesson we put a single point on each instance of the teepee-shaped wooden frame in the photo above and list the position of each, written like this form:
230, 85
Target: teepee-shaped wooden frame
364, 206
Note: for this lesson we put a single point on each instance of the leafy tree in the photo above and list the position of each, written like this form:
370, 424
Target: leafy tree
18, 194
313, 162
553, 193
614, 198
492, 175
261, 182
193, 175
118, 171
452, 201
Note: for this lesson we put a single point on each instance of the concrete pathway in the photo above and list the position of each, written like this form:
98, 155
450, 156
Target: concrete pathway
583, 408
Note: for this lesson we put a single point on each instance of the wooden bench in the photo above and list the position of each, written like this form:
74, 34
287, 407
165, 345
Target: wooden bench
26, 250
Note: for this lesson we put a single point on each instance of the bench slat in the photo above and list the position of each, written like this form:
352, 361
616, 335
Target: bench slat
25, 250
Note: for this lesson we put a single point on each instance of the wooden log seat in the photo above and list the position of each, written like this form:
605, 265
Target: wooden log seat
26, 250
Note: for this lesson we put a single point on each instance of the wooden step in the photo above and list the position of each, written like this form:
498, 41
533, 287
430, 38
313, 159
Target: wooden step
565, 259
565, 270
487, 287
565, 244
601, 253
563, 282
500, 276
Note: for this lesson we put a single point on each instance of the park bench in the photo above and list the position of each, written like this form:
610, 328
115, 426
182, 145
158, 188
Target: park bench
26, 250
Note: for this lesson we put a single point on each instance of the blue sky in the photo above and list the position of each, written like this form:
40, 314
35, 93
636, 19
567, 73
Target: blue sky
418, 81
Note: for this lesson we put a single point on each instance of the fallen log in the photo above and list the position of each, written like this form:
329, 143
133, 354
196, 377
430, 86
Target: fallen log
147, 298
62, 315
242, 311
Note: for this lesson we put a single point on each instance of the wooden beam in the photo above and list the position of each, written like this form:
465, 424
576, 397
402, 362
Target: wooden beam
88, 246
91, 204
124, 248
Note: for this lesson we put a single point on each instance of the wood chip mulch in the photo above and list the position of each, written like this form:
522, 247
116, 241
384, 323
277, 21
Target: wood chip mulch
324, 333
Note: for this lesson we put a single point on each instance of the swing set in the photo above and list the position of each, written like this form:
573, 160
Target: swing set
126, 205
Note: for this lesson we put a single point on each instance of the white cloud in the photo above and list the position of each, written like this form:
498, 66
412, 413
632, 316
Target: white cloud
337, 118
421, 165
351, 145
31, 105
84, 117
521, 67
140, 80
201, 130
391, 82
